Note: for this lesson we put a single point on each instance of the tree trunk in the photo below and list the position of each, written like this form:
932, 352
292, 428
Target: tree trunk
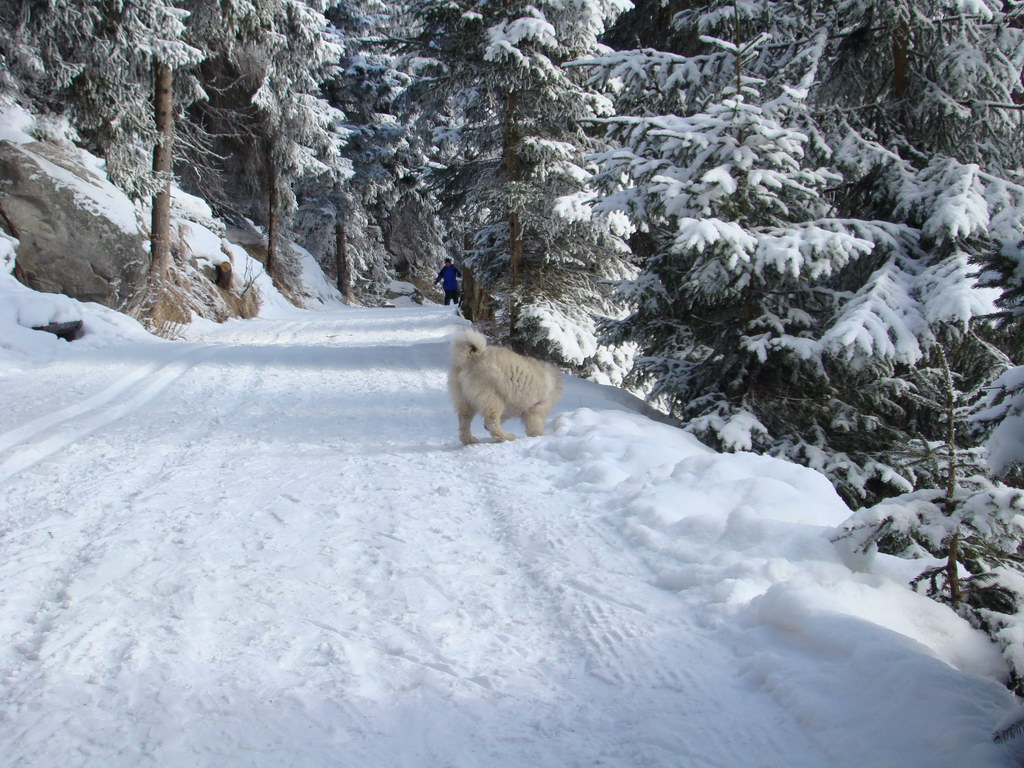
515, 224
900, 62
477, 305
344, 267
512, 172
952, 569
272, 214
515, 233
160, 229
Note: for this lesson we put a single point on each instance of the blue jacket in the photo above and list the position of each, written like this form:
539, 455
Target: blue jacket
450, 277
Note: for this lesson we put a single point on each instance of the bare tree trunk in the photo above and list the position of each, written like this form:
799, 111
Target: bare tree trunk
477, 305
512, 175
272, 213
952, 569
160, 229
515, 224
900, 62
344, 266
512, 172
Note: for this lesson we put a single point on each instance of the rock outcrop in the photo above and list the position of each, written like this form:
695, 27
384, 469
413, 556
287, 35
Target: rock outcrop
78, 234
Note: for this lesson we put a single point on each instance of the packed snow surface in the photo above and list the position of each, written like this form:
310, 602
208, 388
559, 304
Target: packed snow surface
263, 545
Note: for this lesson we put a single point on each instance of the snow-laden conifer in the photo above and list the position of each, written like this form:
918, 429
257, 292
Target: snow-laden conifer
966, 530
266, 121
376, 160
788, 297
729, 308
866, 365
512, 160
93, 64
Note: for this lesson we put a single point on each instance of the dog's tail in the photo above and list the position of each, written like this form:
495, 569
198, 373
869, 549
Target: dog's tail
467, 346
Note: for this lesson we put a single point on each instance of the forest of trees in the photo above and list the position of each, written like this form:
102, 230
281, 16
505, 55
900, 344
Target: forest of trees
797, 227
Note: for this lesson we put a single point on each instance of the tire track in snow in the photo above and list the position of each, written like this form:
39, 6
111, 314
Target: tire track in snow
437, 612
92, 414
600, 641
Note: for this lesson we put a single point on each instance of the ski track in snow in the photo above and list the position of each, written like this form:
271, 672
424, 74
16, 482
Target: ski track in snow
128, 394
265, 547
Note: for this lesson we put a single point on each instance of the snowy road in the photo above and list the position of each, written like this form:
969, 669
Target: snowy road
264, 546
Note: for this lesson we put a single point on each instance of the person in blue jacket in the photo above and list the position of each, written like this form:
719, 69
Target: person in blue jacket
449, 278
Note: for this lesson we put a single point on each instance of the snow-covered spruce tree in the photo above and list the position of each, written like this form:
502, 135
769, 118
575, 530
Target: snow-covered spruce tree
266, 122
969, 532
896, 345
95, 64
1003, 411
335, 219
934, 141
509, 122
946, 163
728, 305
814, 365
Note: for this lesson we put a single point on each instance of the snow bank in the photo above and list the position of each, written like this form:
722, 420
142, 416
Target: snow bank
742, 530
22, 309
15, 124
746, 542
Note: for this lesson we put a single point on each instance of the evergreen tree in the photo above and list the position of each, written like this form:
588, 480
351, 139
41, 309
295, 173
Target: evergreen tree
1003, 411
973, 525
786, 311
903, 120
365, 87
95, 63
512, 163
266, 122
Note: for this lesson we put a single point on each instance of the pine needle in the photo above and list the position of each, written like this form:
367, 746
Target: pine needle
1010, 732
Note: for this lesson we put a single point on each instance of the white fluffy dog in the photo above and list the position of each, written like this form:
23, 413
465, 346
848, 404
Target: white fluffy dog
500, 384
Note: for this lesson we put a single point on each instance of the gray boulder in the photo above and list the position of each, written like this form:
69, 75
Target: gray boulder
78, 233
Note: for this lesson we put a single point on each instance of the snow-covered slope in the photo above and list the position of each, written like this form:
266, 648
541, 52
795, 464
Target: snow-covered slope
264, 546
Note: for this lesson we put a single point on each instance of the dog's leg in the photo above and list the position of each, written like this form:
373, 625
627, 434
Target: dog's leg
534, 422
465, 420
492, 420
